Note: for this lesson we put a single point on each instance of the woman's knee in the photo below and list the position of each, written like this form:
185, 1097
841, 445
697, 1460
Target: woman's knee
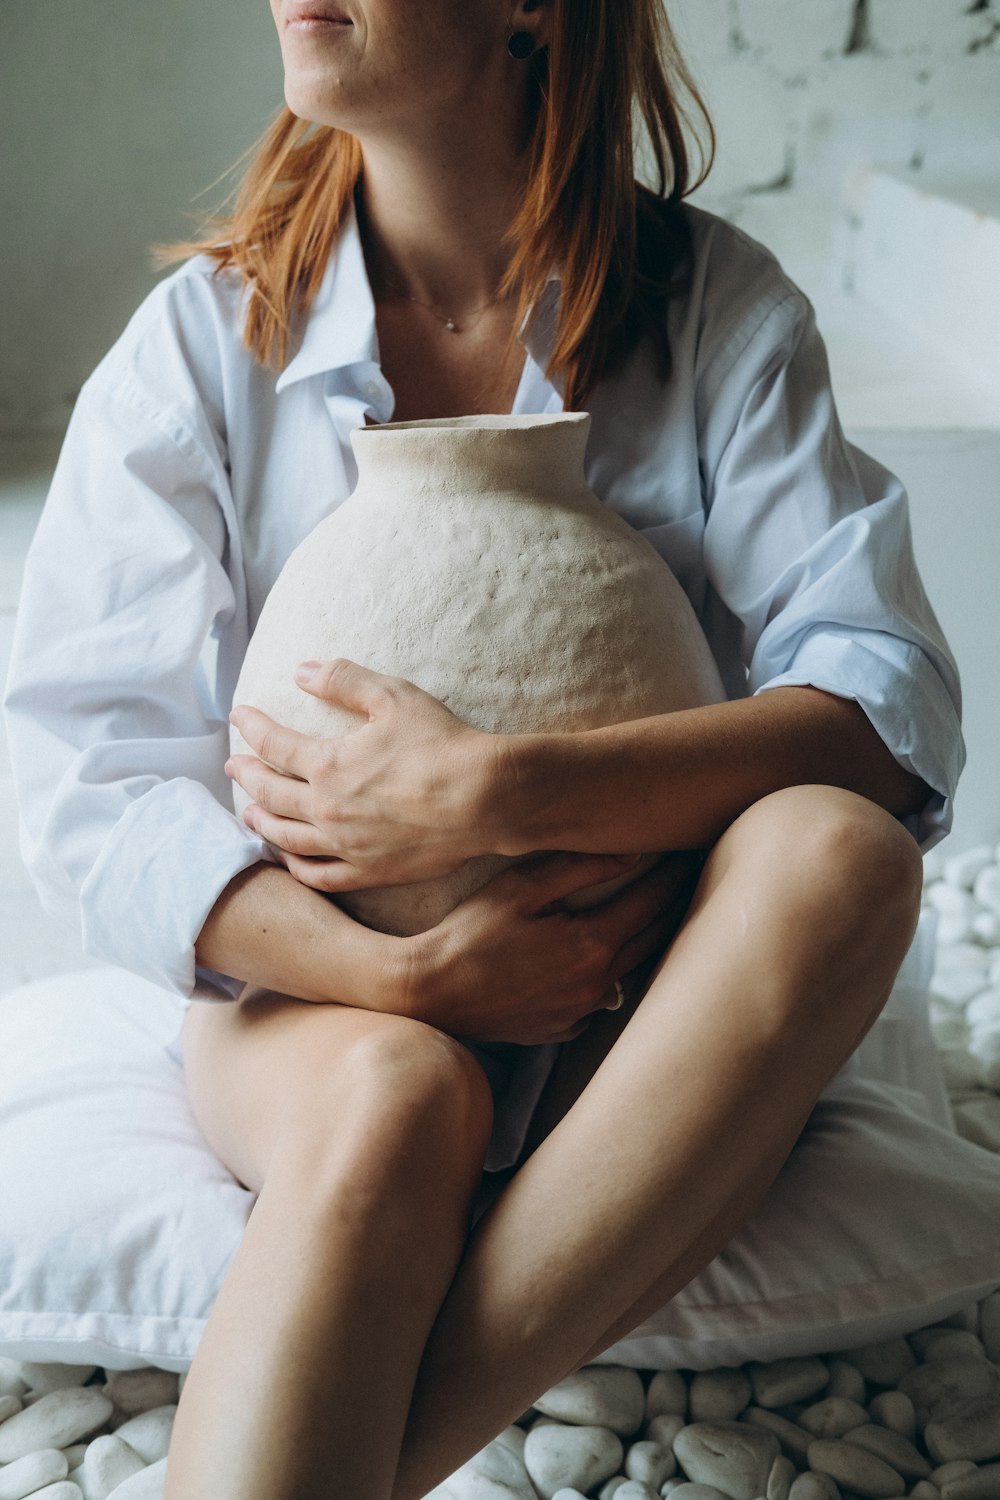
837, 854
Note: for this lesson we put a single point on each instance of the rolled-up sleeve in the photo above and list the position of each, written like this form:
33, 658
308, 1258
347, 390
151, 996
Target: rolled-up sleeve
117, 740
808, 546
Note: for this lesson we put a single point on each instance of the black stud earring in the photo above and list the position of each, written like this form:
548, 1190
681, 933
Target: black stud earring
521, 44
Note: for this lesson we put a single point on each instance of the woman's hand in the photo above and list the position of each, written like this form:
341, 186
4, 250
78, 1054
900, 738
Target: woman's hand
511, 964
387, 803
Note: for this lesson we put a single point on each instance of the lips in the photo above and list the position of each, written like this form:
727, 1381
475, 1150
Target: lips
314, 10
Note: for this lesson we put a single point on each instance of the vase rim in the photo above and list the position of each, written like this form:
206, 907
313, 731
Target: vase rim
486, 422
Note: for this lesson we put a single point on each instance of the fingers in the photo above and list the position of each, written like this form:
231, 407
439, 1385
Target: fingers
646, 898
548, 877
286, 833
346, 682
272, 791
284, 748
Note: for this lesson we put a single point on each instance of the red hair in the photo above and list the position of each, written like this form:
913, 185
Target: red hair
622, 249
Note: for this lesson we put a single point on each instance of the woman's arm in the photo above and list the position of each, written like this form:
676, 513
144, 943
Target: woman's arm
676, 781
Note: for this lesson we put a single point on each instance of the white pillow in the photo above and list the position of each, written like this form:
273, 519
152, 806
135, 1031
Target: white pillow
117, 1222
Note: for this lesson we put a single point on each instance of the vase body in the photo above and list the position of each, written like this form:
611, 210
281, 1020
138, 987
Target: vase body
472, 559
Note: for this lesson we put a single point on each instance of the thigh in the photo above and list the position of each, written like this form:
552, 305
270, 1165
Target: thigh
268, 1070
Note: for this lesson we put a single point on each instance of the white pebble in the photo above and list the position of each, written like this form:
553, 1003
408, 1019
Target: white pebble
494, 1471
956, 926
780, 1479
993, 972
780, 1381
54, 1377
664, 1428
74, 1453
146, 1485
134, 1391
580, 1457
892, 1448
984, 1008
811, 1486
651, 1462
885, 1362
832, 1417
9, 1405
608, 1488
971, 1432
598, 1396
573, 1495
962, 869
984, 1484
924, 1490
634, 1489
934, 863
945, 1472
986, 927
950, 957
986, 889
148, 1433
513, 1438
29, 1473
733, 1457
950, 1030
984, 1045
855, 1468
692, 1491
896, 1411
989, 1325
58, 1418
108, 1461
946, 1386
719, 1395
951, 901
794, 1439
667, 1395
958, 986
946, 1343
65, 1489
846, 1380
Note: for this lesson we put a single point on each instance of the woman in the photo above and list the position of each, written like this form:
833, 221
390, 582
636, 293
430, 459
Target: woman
464, 235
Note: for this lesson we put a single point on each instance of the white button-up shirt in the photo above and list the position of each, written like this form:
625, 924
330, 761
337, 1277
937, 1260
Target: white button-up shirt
189, 473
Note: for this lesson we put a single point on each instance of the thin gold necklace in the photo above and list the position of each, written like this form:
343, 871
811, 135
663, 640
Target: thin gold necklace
446, 322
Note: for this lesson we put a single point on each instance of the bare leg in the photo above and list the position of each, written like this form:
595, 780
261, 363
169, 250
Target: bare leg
370, 1153
801, 919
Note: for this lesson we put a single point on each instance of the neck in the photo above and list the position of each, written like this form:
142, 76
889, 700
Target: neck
432, 223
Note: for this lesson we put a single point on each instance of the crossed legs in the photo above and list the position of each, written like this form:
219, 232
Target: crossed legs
362, 1265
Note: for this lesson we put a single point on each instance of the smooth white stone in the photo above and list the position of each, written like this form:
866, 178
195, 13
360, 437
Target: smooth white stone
494, 1473
846, 1380
934, 1344
667, 1395
146, 1485
58, 1418
896, 1411
949, 957
634, 1489
986, 927
54, 1377
780, 1479
598, 1396
580, 1457
984, 1008
812, 1486
960, 986
950, 1031
855, 1468
651, 1462
134, 1391
669, 1485
924, 1490
947, 1385
984, 1046
892, 1447
63, 1489
944, 1473
986, 889
30, 1397
571, 1495
108, 1462
794, 1439
993, 972
664, 1429
74, 1453
11, 1383
832, 1417
984, 1484
962, 869
608, 1488
971, 1432
951, 901
956, 927
9, 1405
513, 1438
692, 1491
149, 1432
780, 1381
29, 1473
885, 1362
989, 1325
934, 863
719, 1395
734, 1457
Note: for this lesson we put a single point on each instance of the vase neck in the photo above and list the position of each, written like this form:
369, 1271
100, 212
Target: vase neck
543, 453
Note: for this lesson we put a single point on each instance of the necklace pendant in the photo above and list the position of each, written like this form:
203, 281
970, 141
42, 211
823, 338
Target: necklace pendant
451, 325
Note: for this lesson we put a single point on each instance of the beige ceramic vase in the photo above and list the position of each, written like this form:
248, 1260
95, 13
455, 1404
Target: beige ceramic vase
472, 559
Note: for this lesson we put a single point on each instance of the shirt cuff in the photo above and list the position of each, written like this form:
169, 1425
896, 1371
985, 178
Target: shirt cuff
907, 702
157, 877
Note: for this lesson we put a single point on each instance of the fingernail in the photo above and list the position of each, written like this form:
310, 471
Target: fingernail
305, 670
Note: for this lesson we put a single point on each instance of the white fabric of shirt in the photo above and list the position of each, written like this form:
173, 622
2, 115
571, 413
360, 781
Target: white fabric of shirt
189, 473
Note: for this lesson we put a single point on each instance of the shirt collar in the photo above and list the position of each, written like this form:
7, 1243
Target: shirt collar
340, 327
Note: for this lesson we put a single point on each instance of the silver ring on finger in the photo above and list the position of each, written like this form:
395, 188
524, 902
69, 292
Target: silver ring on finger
620, 1001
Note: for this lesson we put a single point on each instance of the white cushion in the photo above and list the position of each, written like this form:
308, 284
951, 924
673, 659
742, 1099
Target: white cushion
117, 1222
